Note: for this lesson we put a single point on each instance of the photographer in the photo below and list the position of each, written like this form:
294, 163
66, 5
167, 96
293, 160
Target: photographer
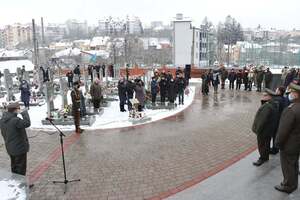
15, 137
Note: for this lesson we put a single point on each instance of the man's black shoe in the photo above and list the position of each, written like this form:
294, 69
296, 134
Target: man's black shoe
285, 189
274, 151
259, 162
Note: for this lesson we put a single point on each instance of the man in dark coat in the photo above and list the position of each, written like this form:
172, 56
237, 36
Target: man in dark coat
231, 78
268, 78
288, 141
154, 90
283, 103
90, 72
245, 78
224, 76
97, 68
122, 93
239, 78
264, 125
77, 71
259, 79
205, 82
76, 97
172, 91
180, 86
70, 76
215, 80
96, 94
129, 92
25, 93
163, 89
103, 70
15, 137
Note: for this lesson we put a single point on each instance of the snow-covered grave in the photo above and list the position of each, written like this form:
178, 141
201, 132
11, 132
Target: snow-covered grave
12, 186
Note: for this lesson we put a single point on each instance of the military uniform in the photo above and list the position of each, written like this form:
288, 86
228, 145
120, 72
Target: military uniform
288, 141
264, 126
75, 95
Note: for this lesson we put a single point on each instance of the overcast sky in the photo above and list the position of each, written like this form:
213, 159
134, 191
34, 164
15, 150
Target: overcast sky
281, 14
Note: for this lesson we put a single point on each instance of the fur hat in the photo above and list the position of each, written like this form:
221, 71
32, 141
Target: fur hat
13, 105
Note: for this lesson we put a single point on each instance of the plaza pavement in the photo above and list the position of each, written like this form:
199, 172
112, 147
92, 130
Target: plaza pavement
241, 181
152, 161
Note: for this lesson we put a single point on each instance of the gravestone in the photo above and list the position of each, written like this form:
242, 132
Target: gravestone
49, 92
8, 81
85, 79
26, 76
101, 75
19, 74
94, 74
106, 75
63, 92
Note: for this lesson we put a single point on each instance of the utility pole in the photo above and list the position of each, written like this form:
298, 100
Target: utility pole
193, 47
43, 31
35, 45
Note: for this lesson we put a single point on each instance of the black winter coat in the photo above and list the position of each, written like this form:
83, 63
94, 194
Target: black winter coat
163, 85
180, 85
232, 76
122, 91
266, 119
14, 133
130, 89
172, 91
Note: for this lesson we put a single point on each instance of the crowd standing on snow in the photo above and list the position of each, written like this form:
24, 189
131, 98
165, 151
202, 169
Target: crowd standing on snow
163, 83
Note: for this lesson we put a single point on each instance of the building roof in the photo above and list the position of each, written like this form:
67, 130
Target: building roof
12, 65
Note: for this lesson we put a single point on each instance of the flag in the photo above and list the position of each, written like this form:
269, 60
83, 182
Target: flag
93, 58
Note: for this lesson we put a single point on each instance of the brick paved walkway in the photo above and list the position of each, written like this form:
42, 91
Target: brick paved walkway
150, 161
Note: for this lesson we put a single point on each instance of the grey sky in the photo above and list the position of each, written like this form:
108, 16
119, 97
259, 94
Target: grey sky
269, 13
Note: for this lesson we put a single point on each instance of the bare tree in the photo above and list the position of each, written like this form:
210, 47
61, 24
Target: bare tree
229, 33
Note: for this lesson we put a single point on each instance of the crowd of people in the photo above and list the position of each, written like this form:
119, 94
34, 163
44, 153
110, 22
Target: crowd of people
248, 76
162, 83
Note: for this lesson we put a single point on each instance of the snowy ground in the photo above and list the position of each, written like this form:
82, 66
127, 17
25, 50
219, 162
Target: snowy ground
10, 189
111, 118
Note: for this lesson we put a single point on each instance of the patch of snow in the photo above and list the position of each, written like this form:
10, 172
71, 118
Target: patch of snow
111, 118
10, 189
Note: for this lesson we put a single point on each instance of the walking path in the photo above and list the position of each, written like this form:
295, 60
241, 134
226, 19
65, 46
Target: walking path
151, 161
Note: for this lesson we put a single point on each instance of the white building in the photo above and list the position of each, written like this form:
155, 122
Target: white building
117, 26
16, 34
2, 39
76, 28
134, 25
189, 43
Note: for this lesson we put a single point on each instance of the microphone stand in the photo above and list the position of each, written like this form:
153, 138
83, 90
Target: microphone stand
61, 134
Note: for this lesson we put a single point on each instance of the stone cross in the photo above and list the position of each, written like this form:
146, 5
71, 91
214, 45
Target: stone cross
64, 92
8, 81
